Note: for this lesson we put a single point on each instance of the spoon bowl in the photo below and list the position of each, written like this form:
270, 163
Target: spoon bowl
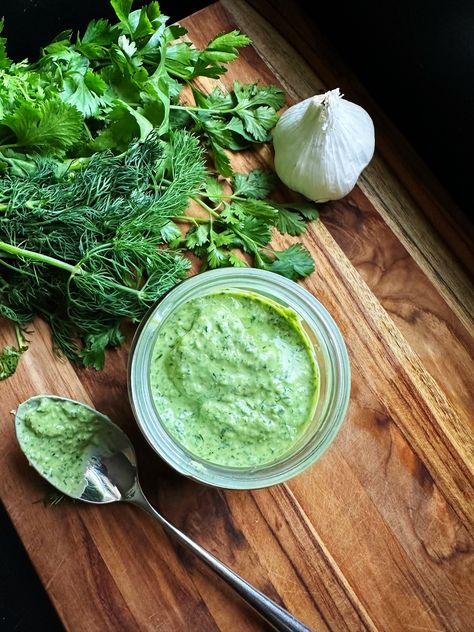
109, 471
109, 464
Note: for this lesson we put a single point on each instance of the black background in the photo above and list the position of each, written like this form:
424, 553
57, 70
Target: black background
416, 58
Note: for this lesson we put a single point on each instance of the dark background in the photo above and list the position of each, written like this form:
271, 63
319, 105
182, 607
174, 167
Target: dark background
416, 58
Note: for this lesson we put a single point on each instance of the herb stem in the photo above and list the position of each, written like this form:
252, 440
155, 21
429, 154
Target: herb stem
87, 131
37, 256
190, 219
195, 108
20, 338
205, 206
9, 146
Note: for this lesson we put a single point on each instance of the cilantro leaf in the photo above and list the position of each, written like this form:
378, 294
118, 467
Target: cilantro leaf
295, 262
255, 208
98, 32
256, 184
216, 99
52, 124
292, 216
84, 91
93, 352
226, 238
253, 231
122, 10
216, 257
252, 95
306, 209
170, 232
197, 236
290, 223
213, 189
236, 261
259, 122
221, 159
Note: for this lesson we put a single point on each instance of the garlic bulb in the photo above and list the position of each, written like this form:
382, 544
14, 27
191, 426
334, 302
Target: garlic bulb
322, 145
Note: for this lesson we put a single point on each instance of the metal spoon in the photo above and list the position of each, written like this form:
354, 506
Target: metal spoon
110, 470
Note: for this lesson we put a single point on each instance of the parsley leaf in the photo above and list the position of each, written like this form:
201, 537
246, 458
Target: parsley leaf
84, 91
290, 223
4, 61
256, 184
170, 232
50, 125
114, 92
295, 262
221, 49
10, 355
98, 32
9, 358
197, 236
93, 352
122, 10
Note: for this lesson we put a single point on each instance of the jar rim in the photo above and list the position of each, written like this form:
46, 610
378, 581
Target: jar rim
331, 348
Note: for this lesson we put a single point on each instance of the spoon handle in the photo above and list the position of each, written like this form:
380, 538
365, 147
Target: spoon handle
279, 618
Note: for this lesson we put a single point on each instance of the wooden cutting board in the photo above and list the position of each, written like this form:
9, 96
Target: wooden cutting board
377, 535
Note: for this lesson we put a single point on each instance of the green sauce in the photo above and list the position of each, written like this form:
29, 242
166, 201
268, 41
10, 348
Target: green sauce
234, 378
55, 436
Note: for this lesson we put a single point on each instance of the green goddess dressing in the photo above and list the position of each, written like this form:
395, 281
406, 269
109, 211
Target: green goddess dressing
234, 378
56, 436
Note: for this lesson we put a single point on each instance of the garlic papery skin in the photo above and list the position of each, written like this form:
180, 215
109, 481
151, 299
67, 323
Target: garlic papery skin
322, 144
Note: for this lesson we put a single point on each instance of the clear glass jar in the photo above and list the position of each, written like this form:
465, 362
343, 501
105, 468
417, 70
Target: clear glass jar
330, 352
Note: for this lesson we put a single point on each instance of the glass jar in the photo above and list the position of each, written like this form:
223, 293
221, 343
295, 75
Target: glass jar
330, 352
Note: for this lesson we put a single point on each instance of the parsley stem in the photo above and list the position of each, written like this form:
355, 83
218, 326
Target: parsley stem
190, 219
87, 130
205, 206
9, 146
195, 108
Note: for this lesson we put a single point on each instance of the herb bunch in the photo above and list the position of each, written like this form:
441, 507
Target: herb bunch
119, 81
80, 248
99, 158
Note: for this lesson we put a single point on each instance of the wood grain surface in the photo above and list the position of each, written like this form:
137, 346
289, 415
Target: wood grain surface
377, 535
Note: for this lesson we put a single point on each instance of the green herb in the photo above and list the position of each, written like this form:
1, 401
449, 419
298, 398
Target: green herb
80, 248
10, 355
100, 155
118, 82
243, 220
